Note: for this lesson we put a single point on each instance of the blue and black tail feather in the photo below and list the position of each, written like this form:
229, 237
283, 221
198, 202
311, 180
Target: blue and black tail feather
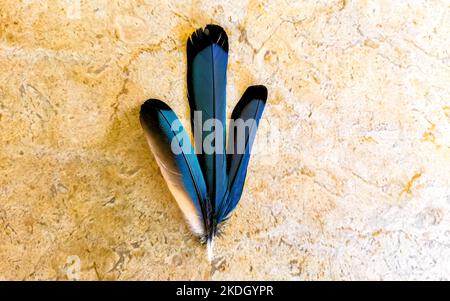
207, 185
178, 163
243, 125
207, 59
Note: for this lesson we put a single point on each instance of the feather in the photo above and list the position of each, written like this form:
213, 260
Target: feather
207, 56
207, 185
243, 125
177, 161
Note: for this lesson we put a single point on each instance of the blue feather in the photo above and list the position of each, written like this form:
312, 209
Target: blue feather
207, 186
177, 160
207, 76
244, 123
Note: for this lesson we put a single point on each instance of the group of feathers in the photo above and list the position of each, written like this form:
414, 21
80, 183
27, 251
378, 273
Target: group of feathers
207, 187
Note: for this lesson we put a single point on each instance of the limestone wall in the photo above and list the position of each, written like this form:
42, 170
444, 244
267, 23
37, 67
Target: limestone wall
359, 184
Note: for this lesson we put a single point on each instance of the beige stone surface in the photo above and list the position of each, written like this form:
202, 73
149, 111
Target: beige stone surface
359, 187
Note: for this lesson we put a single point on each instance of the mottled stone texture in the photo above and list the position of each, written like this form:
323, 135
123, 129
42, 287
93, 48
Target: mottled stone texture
358, 189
